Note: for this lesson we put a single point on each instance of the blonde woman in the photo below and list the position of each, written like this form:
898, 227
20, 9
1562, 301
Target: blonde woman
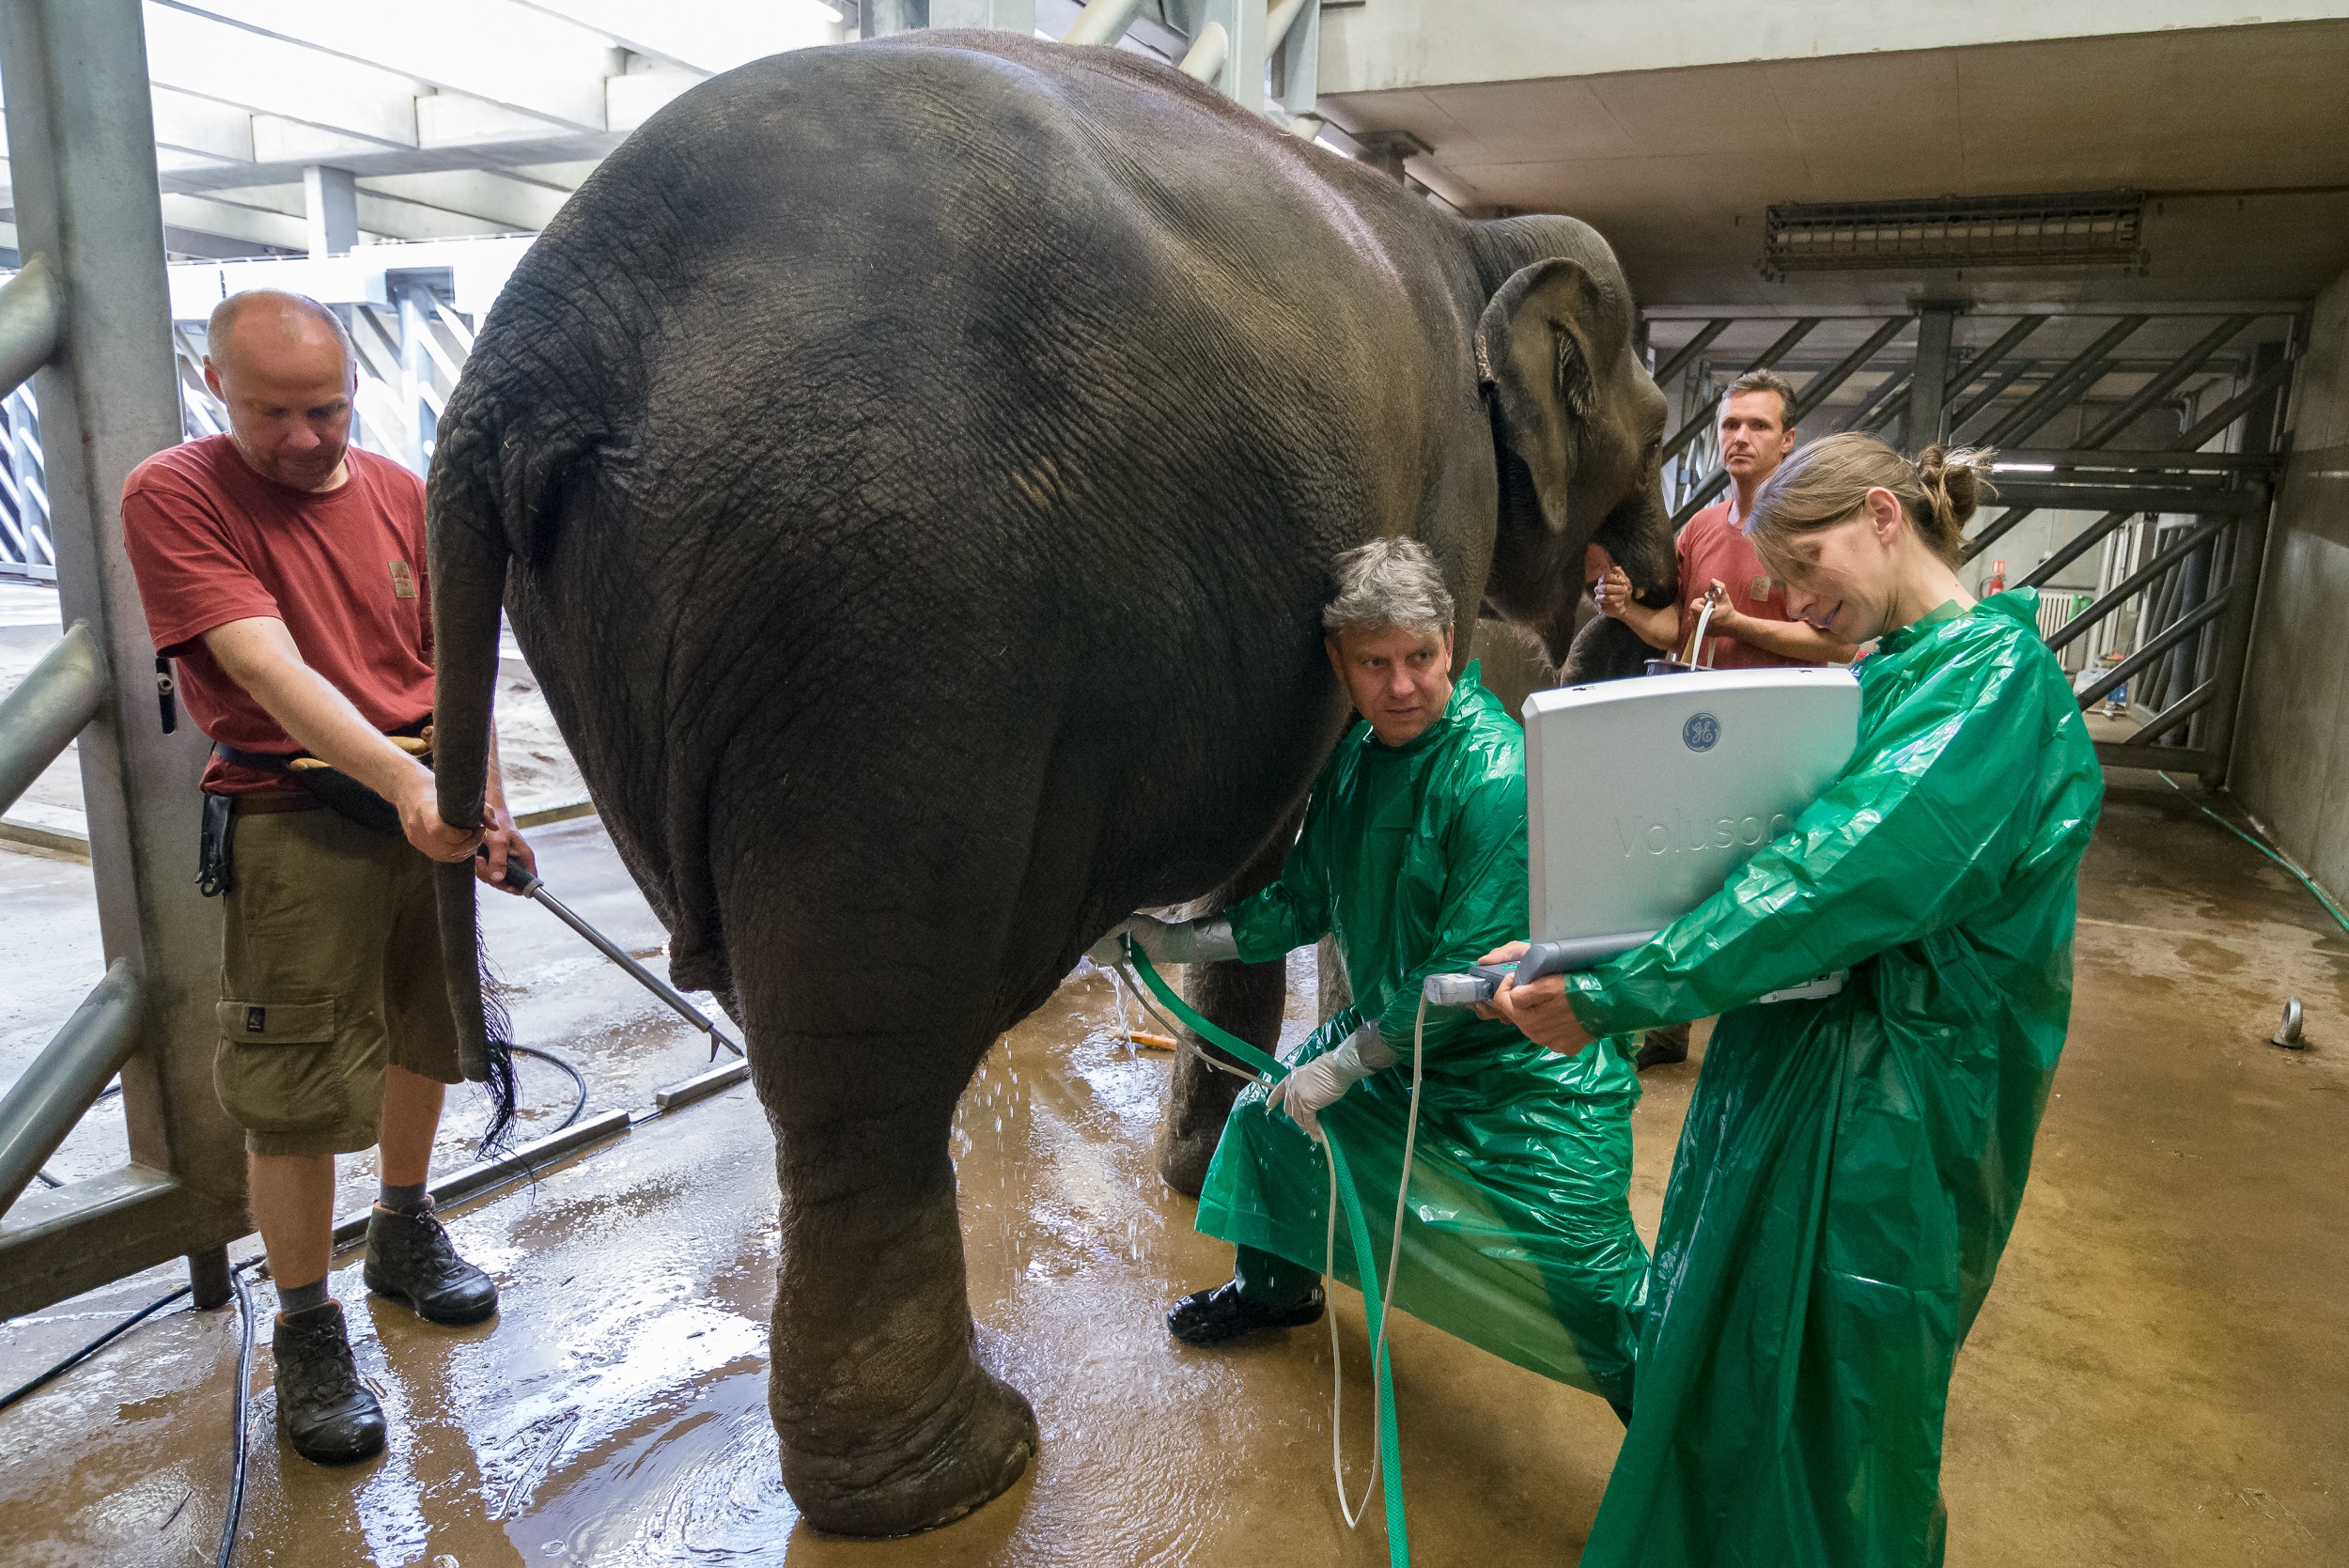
1851, 1164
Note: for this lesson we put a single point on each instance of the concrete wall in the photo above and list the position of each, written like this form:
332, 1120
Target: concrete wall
2291, 764
1385, 44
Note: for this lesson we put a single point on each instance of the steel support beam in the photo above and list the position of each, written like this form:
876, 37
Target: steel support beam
2137, 582
1881, 403
1691, 349
1010, 16
47, 709
1295, 41
82, 155
1989, 395
29, 315
330, 204
2162, 385
1204, 60
1928, 386
2246, 568
1247, 48
1822, 387
1988, 359
2265, 382
2066, 387
2176, 632
1102, 22
81, 1059
1769, 356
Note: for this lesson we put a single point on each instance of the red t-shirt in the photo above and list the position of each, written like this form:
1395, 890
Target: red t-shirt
211, 542
1711, 546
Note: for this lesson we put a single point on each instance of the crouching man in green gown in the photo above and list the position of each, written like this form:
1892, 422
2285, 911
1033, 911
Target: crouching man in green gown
1517, 1237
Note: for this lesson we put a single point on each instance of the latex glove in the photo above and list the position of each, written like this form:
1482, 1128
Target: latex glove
1205, 940
1315, 1086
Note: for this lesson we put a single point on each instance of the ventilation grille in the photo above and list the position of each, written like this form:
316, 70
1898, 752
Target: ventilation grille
2084, 228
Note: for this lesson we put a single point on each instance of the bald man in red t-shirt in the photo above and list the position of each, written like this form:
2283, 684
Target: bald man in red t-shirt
285, 569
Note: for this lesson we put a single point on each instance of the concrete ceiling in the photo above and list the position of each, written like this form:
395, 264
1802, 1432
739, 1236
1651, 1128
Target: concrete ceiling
457, 116
2241, 134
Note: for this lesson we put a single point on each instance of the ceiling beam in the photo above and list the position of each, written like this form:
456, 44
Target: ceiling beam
224, 66
210, 215
526, 61
703, 36
510, 204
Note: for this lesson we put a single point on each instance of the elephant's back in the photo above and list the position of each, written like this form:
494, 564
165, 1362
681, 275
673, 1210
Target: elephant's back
1024, 389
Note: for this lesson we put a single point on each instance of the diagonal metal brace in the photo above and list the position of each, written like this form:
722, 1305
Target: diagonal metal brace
49, 707
44, 1105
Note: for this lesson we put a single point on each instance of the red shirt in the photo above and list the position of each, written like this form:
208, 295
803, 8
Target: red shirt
211, 542
1711, 546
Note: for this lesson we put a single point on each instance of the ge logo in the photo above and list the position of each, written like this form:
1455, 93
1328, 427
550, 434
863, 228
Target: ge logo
1701, 732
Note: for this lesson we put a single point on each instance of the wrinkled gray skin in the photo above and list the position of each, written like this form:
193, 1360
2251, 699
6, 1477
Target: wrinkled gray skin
911, 469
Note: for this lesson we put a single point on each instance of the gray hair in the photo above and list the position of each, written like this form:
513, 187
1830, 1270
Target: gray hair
1387, 582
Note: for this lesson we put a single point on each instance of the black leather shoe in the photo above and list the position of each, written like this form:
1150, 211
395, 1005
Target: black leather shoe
409, 1260
1212, 1317
1663, 1047
323, 1410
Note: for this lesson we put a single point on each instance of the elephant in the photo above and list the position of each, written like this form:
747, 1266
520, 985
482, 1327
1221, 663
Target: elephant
912, 468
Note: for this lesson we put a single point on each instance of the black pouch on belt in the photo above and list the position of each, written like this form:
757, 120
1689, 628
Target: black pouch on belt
331, 787
214, 873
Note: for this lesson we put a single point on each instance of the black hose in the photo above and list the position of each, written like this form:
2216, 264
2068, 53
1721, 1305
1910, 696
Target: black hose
18, 1393
578, 1079
101, 1343
244, 1389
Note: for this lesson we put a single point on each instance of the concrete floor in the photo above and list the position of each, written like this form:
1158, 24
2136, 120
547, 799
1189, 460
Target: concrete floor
2159, 1376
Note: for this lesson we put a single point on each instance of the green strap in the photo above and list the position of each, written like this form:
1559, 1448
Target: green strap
1389, 1442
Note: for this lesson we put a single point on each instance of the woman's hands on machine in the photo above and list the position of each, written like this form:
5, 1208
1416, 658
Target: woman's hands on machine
1540, 1010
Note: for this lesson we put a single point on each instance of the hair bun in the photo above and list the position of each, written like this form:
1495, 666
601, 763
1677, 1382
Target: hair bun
1955, 484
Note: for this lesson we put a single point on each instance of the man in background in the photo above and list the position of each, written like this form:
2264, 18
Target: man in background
1751, 626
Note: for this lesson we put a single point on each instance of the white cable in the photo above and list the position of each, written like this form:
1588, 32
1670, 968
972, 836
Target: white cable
1354, 1516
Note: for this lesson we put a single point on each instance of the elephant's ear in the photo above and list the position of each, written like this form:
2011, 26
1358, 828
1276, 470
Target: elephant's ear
1534, 357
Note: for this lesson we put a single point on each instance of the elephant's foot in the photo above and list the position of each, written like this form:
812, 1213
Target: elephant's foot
967, 1449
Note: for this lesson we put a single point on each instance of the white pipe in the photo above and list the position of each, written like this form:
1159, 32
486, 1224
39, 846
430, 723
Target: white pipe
1205, 63
1283, 17
1102, 22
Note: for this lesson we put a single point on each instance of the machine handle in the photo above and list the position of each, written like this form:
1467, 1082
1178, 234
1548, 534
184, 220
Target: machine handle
1481, 983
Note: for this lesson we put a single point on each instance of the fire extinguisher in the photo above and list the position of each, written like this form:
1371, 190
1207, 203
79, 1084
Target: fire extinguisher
1996, 582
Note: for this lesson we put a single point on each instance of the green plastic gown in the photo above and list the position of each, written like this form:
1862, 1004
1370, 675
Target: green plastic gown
1518, 1237
1851, 1166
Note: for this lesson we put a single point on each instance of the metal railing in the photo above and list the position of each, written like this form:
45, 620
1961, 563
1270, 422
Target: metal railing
86, 315
2174, 416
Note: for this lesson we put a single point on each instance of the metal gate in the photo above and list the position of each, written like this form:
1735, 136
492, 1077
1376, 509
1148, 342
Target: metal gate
2137, 457
89, 313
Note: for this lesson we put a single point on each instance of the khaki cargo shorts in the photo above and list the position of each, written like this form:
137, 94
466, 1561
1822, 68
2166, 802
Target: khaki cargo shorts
330, 966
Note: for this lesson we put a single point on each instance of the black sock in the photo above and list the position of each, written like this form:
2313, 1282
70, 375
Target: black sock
402, 1200
299, 1298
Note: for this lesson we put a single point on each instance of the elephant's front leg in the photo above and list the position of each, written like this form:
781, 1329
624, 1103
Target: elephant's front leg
887, 1424
1245, 999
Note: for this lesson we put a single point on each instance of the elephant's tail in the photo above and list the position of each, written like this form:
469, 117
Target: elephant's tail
466, 513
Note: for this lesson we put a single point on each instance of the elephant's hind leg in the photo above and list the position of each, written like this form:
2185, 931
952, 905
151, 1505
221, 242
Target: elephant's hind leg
887, 1424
